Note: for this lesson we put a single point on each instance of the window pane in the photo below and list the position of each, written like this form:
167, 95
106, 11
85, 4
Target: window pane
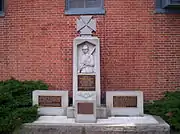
1, 5
93, 3
76, 4
176, 1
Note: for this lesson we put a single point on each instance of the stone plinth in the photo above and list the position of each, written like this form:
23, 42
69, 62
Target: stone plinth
51, 102
123, 103
85, 107
114, 125
101, 112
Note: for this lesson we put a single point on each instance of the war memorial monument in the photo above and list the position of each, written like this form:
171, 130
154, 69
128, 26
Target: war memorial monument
122, 114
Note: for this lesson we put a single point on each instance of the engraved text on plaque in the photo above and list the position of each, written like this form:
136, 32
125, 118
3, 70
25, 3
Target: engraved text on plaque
86, 82
49, 101
124, 101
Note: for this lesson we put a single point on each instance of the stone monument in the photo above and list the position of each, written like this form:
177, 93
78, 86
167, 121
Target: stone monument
86, 71
123, 113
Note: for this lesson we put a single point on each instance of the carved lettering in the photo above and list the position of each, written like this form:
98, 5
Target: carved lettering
124, 101
50, 101
86, 82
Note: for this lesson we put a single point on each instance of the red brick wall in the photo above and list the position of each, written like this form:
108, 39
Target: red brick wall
140, 50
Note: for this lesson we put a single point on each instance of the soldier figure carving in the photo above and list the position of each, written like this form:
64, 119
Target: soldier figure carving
86, 60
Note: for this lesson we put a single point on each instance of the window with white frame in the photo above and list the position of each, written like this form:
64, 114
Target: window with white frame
84, 7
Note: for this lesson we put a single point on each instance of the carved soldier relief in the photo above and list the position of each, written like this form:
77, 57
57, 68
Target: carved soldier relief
86, 58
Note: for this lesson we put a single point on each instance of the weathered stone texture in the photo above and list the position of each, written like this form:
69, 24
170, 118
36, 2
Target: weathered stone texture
161, 128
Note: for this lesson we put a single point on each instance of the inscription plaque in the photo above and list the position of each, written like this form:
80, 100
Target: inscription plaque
124, 101
86, 83
85, 108
49, 101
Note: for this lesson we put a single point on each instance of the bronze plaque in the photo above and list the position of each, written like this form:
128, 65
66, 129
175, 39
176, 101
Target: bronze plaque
49, 101
85, 108
86, 82
124, 101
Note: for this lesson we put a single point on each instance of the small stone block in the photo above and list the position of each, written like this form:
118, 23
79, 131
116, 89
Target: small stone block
50, 98
125, 103
102, 112
85, 111
51, 102
70, 112
86, 25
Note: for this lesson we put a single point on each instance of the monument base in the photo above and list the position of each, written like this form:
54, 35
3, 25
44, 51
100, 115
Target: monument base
102, 112
115, 125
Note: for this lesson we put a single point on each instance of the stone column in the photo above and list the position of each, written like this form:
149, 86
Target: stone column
86, 68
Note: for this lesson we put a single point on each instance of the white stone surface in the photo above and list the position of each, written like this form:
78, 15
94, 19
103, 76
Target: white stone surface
78, 41
121, 121
85, 118
85, 95
51, 110
86, 61
86, 25
88, 118
70, 112
101, 112
138, 111
86, 58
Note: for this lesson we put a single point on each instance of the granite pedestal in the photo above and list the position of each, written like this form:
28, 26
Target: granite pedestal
113, 125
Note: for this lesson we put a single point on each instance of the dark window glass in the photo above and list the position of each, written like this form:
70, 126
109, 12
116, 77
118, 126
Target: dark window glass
85, 7
168, 6
176, 1
85, 3
1, 5
93, 3
76, 3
